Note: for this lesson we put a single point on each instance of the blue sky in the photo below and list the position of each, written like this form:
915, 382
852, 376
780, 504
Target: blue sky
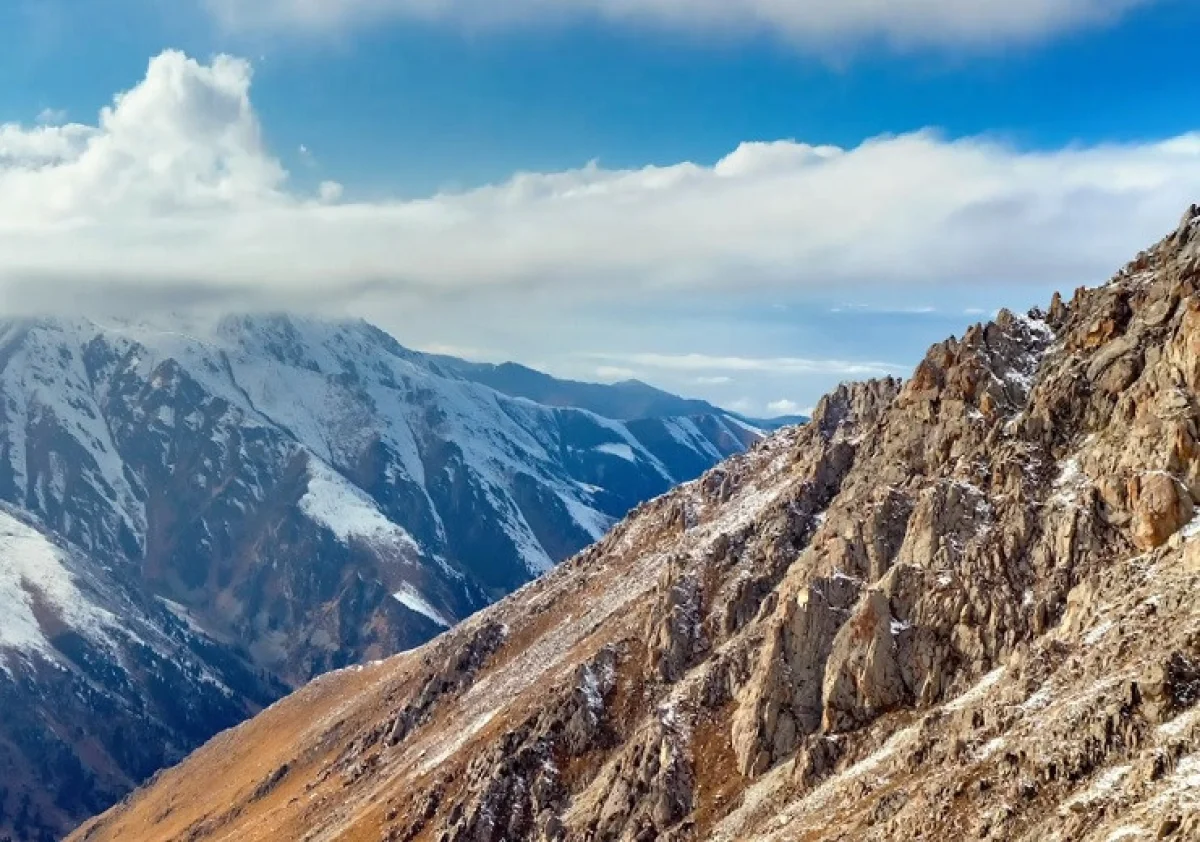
1053, 137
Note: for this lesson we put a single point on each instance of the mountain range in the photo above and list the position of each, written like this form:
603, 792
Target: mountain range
196, 517
960, 606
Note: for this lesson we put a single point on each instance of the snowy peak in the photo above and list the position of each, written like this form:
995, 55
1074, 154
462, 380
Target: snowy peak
298, 494
961, 606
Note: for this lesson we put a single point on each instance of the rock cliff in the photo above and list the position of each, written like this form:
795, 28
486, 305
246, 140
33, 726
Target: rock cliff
961, 606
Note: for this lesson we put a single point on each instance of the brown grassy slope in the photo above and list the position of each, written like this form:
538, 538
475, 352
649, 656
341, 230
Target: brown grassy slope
961, 607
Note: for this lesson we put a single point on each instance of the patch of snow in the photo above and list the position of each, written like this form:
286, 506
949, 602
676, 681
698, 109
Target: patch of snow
1099, 789
1182, 787
411, 598
1095, 635
990, 748
1127, 832
621, 451
1070, 483
687, 434
33, 569
1039, 700
346, 510
729, 419
594, 523
1192, 528
591, 690
978, 692
449, 748
1180, 725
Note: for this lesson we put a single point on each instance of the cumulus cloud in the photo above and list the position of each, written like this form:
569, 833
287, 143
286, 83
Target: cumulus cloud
784, 406
52, 115
170, 195
902, 23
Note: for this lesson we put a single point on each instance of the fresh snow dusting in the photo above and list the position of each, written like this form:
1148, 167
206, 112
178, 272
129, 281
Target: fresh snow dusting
346, 510
729, 419
621, 451
990, 748
594, 523
1192, 528
1180, 725
46, 379
1097, 634
33, 569
411, 598
819, 799
978, 692
1182, 786
1039, 700
686, 433
1099, 789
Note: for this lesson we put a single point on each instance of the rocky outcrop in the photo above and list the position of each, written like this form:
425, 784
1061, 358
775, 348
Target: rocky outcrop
955, 607
306, 495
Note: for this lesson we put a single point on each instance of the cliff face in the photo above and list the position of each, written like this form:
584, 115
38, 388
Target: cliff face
194, 518
957, 607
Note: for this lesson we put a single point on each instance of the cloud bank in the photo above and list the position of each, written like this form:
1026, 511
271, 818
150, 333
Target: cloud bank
170, 196
811, 23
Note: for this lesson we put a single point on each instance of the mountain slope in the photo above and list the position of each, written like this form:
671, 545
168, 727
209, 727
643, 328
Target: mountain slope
99, 686
628, 400
958, 607
624, 401
276, 496
273, 465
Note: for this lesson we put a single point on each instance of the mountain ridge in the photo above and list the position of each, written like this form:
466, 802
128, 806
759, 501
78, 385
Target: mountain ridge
954, 607
278, 495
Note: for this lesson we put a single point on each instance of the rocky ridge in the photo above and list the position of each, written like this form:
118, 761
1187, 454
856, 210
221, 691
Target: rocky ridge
961, 606
196, 517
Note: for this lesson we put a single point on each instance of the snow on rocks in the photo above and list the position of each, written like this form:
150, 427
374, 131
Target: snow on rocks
36, 587
411, 598
348, 511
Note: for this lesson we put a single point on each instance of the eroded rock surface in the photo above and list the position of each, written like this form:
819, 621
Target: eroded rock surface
962, 606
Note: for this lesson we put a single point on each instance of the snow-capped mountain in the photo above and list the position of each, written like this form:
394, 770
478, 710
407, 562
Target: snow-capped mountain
100, 684
961, 606
277, 496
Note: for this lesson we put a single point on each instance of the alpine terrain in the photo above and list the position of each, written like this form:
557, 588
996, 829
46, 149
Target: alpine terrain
962, 606
196, 518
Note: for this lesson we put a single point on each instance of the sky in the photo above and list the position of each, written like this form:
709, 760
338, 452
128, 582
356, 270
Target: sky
741, 200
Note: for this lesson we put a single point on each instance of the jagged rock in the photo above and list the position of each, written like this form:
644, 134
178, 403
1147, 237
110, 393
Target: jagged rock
959, 607
1161, 506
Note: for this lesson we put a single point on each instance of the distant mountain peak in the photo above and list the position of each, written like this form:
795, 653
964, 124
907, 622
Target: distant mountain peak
957, 606
257, 499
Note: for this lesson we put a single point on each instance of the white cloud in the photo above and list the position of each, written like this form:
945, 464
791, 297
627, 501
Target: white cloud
329, 192
172, 195
810, 23
184, 140
613, 373
757, 365
718, 380
52, 116
784, 407
466, 352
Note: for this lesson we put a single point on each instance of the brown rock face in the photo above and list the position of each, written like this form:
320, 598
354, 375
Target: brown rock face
961, 607
1161, 505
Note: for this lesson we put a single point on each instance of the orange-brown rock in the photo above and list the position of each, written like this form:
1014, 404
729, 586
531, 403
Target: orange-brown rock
963, 607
